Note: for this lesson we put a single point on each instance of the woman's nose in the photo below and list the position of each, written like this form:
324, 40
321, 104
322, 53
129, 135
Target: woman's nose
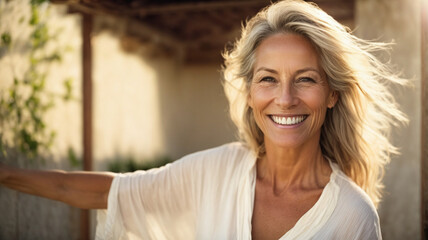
286, 96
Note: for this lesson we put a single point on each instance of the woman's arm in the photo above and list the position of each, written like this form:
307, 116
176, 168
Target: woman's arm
80, 189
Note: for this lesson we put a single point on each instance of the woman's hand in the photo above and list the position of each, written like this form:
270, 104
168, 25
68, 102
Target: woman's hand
87, 190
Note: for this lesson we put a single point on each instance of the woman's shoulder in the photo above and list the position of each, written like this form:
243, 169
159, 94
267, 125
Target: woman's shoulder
227, 158
350, 193
354, 216
353, 197
227, 152
354, 206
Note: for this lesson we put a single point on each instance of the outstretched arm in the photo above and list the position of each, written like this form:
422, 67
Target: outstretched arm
88, 190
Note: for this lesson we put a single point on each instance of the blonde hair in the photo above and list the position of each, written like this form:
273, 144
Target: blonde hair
355, 132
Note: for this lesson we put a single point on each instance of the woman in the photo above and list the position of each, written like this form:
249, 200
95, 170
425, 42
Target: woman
309, 101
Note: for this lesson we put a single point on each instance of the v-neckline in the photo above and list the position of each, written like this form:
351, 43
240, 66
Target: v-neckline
312, 220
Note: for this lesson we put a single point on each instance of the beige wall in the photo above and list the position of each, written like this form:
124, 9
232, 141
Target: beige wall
399, 20
126, 111
194, 110
148, 104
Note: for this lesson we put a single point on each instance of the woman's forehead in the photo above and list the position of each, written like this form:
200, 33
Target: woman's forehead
287, 51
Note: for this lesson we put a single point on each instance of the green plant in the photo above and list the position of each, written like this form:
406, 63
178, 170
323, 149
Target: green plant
130, 164
23, 106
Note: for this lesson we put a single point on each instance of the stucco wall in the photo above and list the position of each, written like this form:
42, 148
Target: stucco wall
148, 102
194, 110
399, 20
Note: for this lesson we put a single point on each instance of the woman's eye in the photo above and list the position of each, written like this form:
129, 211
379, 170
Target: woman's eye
306, 79
267, 79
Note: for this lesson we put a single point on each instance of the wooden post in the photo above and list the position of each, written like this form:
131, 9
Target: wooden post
87, 112
424, 118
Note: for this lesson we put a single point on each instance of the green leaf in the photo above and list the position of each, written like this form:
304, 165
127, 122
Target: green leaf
12, 94
72, 158
50, 104
6, 39
40, 36
56, 56
37, 2
19, 115
29, 143
51, 139
38, 84
38, 123
68, 85
34, 20
33, 60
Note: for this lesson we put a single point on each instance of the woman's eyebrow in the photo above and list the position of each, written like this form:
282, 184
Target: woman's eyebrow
308, 69
265, 69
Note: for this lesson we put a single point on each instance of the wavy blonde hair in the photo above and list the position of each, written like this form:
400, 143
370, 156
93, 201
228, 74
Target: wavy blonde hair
355, 132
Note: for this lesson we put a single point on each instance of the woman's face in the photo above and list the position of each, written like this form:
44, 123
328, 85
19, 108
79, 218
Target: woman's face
289, 92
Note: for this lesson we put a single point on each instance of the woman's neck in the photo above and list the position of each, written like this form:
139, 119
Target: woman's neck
300, 168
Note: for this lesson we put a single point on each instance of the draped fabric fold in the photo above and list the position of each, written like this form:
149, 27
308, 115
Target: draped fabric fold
210, 195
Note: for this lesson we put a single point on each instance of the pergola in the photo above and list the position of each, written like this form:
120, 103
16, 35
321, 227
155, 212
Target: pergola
199, 28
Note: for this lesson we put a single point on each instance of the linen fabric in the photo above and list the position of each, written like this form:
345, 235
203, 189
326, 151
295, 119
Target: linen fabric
210, 195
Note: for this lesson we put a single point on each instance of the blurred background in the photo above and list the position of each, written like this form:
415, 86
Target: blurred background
120, 85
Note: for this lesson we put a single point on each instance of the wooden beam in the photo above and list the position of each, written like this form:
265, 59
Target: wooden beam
87, 111
143, 8
195, 6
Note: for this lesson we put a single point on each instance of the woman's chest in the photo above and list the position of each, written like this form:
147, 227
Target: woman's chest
273, 216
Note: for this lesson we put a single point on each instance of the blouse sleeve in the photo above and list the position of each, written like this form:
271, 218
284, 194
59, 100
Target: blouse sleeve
154, 204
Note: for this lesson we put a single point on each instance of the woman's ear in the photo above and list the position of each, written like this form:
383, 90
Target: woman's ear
334, 96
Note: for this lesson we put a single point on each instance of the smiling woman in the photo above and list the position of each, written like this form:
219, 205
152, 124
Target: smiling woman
309, 100
365, 109
306, 94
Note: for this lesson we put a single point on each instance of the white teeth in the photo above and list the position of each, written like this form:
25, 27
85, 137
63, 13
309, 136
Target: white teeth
288, 120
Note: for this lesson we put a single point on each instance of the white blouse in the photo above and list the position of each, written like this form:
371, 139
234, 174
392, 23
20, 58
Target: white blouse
210, 195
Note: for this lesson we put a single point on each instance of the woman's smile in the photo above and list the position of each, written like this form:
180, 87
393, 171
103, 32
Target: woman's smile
288, 120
